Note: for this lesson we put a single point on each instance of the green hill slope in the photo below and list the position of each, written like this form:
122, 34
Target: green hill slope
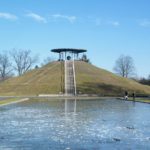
45, 80
50, 80
91, 79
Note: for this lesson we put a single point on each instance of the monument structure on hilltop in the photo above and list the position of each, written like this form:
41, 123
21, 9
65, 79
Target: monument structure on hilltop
68, 55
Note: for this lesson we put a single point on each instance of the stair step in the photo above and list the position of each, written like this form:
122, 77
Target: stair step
69, 78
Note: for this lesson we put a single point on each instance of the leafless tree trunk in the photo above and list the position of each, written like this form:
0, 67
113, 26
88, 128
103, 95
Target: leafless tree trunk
47, 60
124, 66
23, 61
5, 66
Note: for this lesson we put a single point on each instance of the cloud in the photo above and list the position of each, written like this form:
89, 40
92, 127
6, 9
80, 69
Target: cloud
71, 19
145, 23
105, 22
114, 23
8, 16
37, 17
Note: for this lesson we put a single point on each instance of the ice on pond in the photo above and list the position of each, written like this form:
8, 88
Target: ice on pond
75, 124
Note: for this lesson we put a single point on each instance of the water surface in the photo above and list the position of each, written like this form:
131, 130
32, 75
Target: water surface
75, 125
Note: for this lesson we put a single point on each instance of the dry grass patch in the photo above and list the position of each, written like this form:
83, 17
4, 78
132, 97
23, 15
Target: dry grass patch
49, 79
9, 100
91, 79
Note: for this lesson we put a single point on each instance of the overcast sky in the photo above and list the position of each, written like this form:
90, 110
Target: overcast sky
106, 28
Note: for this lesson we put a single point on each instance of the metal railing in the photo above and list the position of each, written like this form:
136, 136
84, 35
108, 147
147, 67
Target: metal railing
70, 81
74, 73
66, 77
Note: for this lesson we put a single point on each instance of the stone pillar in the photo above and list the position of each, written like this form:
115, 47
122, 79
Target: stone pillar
59, 56
77, 56
65, 55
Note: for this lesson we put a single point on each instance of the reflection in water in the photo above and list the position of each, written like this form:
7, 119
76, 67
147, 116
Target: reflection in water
70, 110
70, 105
75, 124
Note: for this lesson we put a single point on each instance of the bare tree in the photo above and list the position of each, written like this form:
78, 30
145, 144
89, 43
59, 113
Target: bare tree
145, 81
47, 60
5, 66
124, 66
149, 77
85, 59
23, 61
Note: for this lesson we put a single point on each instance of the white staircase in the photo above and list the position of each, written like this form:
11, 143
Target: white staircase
70, 81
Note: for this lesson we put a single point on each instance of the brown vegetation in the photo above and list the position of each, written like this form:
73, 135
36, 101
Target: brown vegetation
90, 80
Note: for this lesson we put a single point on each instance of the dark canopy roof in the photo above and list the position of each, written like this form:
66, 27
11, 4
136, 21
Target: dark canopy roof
59, 50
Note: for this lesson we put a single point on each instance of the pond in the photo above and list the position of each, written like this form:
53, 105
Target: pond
75, 125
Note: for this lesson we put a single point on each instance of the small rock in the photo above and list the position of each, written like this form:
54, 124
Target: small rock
117, 139
131, 128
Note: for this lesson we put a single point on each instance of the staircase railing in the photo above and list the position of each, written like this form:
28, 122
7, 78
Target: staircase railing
65, 67
74, 76
70, 79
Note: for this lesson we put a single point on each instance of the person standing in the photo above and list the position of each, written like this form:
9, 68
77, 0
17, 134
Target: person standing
126, 95
133, 96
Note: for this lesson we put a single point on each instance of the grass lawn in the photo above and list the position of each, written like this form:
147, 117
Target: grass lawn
44, 80
90, 79
93, 80
143, 100
9, 100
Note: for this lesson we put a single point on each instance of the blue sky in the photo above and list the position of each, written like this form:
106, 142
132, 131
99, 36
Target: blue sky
106, 28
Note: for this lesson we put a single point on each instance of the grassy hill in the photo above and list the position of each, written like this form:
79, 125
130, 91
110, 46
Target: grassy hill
45, 80
90, 79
